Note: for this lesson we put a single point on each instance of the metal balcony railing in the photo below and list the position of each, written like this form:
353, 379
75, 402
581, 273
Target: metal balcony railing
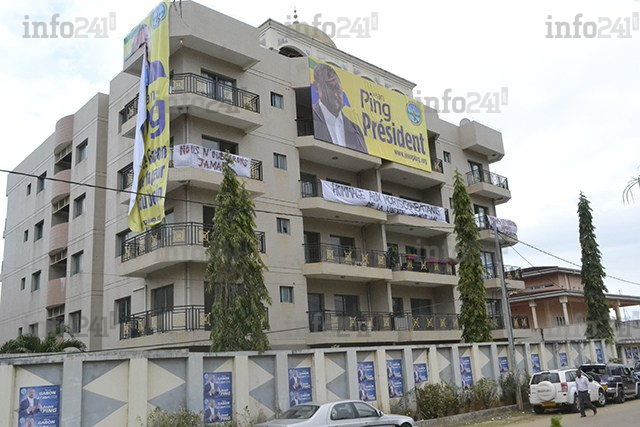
510, 272
305, 127
165, 235
478, 176
412, 262
179, 318
322, 252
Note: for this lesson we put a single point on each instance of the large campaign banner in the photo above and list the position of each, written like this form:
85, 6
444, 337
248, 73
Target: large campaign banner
340, 193
299, 386
217, 403
151, 145
39, 406
361, 115
196, 156
366, 381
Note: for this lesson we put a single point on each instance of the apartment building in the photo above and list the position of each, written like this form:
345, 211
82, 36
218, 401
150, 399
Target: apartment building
338, 273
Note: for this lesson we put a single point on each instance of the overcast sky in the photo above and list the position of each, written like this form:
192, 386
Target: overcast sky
570, 123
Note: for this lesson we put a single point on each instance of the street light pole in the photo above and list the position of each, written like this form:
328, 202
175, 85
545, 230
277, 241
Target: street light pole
506, 315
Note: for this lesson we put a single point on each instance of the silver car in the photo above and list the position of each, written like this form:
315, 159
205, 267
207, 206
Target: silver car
343, 413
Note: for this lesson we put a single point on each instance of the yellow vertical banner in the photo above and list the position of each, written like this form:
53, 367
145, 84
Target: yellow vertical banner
151, 146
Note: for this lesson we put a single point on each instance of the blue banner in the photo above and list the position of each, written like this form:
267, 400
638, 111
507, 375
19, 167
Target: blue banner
564, 361
503, 363
217, 402
636, 356
395, 378
39, 406
299, 386
366, 381
466, 372
420, 373
599, 355
535, 362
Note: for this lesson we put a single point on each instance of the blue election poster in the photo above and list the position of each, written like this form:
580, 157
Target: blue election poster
395, 378
217, 402
366, 381
503, 363
564, 361
420, 374
39, 406
599, 355
299, 386
465, 371
535, 362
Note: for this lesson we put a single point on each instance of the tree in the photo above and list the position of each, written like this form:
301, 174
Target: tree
592, 275
53, 343
474, 319
235, 272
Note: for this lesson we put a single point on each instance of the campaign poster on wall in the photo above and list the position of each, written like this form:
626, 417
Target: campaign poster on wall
299, 386
39, 406
627, 352
535, 362
503, 364
466, 372
599, 355
217, 404
564, 360
420, 373
395, 378
366, 381
636, 355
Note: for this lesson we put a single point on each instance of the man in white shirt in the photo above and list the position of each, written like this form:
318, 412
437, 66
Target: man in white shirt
582, 384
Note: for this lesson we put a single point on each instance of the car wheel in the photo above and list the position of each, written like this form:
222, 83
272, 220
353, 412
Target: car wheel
619, 395
575, 407
406, 425
538, 409
602, 398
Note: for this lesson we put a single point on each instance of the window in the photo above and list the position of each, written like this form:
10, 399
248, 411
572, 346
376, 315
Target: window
81, 151
421, 307
283, 226
121, 238
75, 320
78, 206
397, 306
41, 180
76, 263
20, 331
28, 189
560, 321
33, 329
277, 100
488, 265
26, 235
279, 161
162, 298
38, 230
446, 156
122, 309
218, 87
216, 144
125, 177
286, 294
23, 283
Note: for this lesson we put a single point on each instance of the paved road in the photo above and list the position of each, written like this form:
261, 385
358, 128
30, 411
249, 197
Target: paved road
626, 414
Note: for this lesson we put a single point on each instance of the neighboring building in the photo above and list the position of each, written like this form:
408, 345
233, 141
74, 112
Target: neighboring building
332, 280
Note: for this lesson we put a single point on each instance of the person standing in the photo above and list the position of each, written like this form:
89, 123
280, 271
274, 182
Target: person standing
582, 384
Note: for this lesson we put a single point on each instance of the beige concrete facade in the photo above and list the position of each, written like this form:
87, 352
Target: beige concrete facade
329, 273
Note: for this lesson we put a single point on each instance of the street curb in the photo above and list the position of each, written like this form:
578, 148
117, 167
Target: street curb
469, 416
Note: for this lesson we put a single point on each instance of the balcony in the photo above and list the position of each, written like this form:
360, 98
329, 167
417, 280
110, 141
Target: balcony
325, 261
167, 245
411, 270
419, 227
486, 233
512, 276
314, 205
179, 318
412, 177
481, 139
488, 184
327, 154
56, 291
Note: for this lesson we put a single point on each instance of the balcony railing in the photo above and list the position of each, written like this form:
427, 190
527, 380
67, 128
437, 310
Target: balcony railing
322, 252
478, 176
510, 272
193, 83
437, 165
179, 318
165, 235
411, 262
517, 322
305, 127
256, 165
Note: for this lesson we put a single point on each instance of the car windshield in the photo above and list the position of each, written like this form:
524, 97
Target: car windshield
601, 370
300, 412
545, 376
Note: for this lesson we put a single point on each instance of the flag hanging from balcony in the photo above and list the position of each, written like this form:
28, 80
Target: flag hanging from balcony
151, 146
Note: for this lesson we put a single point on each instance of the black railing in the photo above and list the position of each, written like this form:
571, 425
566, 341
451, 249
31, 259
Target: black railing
310, 188
193, 83
165, 235
482, 222
517, 322
305, 127
180, 318
322, 252
129, 110
411, 262
478, 176
510, 272
437, 165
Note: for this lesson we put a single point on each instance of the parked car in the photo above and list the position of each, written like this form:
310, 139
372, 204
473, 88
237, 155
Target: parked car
636, 370
557, 389
617, 380
348, 413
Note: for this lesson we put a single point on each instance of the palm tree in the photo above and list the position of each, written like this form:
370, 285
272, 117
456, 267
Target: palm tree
53, 343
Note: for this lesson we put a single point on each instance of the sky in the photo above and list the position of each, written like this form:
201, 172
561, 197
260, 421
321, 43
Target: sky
568, 108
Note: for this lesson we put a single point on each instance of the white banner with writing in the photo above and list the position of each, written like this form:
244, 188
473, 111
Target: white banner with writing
341, 193
196, 156
505, 226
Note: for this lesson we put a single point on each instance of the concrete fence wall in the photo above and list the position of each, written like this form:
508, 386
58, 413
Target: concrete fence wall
120, 388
